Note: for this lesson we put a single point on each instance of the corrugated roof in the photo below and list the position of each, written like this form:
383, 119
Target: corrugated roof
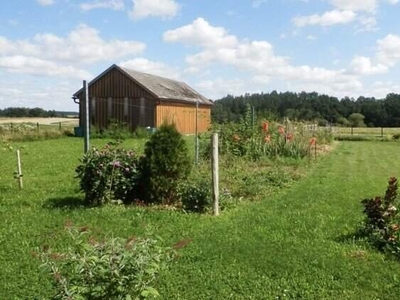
165, 88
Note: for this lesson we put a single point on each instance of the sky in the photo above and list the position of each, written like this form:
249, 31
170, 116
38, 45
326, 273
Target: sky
219, 47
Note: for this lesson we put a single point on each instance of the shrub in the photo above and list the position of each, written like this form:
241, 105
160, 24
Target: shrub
165, 162
382, 221
227, 201
195, 197
116, 268
142, 133
108, 174
396, 136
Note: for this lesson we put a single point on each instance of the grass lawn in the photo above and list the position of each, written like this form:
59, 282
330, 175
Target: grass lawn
293, 244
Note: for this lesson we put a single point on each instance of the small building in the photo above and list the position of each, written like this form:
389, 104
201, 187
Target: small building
136, 99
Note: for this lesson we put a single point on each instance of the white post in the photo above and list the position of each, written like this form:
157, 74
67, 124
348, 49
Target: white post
19, 170
215, 174
86, 125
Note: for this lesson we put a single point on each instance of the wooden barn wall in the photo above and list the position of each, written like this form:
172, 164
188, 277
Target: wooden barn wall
130, 112
117, 86
184, 116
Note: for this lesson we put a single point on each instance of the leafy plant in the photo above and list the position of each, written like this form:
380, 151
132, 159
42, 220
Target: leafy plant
108, 174
382, 220
115, 268
396, 136
196, 196
165, 162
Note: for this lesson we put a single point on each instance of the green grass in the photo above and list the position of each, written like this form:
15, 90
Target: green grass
293, 244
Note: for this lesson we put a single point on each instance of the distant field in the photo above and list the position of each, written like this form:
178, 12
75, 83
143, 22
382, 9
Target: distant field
44, 121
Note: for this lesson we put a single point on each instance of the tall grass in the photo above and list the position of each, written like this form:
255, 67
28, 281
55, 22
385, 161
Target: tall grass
32, 132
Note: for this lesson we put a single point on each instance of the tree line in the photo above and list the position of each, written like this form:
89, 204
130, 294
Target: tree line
24, 112
314, 107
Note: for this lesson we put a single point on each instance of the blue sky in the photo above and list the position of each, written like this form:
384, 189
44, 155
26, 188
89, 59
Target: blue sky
219, 47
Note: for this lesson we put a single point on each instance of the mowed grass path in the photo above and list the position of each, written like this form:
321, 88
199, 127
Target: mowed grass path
296, 244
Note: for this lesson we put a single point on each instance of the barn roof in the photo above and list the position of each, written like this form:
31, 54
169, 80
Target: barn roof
161, 87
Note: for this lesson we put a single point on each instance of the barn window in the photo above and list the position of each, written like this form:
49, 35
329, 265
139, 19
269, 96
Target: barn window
109, 107
126, 107
93, 106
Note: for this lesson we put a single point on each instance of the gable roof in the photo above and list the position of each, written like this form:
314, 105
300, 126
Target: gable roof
161, 87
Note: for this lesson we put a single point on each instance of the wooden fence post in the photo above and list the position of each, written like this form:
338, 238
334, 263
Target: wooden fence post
37, 126
19, 174
215, 174
351, 130
381, 132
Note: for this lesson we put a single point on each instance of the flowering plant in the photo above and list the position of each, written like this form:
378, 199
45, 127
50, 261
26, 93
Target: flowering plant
382, 220
108, 174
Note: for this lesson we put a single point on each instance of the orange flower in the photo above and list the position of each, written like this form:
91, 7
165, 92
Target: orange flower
281, 130
289, 137
265, 126
313, 141
267, 138
236, 138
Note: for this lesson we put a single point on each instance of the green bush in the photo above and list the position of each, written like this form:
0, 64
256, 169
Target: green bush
116, 268
108, 174
141, 133
382, 222
196, 197
361, 138
396, 136
166, 161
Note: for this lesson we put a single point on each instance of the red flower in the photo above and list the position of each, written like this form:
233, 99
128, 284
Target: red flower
313, 141
236, 138
289, 137
265, 126
267, 138
281, 130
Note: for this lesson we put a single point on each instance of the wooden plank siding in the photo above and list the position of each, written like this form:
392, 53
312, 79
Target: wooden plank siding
184, 116
117, 86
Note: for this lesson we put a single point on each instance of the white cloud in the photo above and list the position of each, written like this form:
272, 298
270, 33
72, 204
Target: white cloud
363, 66
201, 33
367, 23
36, 91
49, 54
329, 18
154, 8
256, 57
355, 5
389, 50
258, 3
311, 37
219, 87
344, 12
107, 4
380, 89
45, 2
37, 66
151, 67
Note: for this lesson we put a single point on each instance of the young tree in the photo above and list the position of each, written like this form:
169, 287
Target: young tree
356, 120
165, 162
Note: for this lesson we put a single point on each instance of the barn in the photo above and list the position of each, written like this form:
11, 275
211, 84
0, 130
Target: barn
136, 99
